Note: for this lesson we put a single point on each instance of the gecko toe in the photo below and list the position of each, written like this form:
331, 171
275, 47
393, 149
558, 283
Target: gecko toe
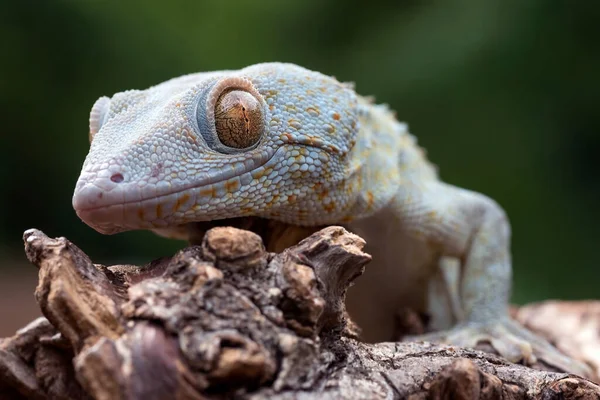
511, 341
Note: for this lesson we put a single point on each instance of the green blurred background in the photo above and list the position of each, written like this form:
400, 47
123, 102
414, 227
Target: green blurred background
503, 94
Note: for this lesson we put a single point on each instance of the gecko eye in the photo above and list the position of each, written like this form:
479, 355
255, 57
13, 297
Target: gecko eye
231, 115
238, 119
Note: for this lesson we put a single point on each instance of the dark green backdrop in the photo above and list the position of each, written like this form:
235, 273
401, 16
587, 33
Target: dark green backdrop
503, 94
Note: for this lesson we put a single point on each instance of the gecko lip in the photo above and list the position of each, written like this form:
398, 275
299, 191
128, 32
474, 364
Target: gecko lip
107, 206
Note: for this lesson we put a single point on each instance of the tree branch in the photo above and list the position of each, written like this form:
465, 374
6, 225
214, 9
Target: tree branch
228, 319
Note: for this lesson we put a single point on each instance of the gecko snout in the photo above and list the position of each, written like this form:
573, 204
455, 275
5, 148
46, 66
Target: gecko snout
98, 200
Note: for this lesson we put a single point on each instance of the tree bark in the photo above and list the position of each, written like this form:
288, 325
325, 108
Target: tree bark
227, 319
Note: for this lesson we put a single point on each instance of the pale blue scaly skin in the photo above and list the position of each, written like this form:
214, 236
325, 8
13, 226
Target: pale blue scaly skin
314, 152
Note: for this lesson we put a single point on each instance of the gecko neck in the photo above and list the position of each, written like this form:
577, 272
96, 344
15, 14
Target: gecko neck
373, 170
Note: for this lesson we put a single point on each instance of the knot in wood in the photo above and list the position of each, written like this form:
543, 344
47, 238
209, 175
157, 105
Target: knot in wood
232, 248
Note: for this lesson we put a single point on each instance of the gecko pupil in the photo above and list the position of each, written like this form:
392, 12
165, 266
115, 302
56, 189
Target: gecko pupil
238, 119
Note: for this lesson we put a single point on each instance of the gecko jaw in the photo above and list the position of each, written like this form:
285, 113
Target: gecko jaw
111, 207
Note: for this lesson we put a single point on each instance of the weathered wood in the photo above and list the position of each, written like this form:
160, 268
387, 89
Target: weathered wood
227, 319
572, 326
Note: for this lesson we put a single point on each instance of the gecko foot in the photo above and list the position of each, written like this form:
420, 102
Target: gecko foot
511, 340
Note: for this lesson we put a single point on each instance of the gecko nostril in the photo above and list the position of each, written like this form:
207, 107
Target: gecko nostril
117, 178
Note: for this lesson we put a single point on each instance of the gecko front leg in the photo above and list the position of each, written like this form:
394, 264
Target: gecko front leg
474, 229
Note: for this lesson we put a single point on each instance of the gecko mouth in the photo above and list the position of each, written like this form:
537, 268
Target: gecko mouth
111, 207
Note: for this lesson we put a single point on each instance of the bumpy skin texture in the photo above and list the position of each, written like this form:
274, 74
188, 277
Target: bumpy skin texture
324, 155
159, 140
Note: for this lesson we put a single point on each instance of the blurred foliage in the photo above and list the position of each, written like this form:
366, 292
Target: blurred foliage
503, 94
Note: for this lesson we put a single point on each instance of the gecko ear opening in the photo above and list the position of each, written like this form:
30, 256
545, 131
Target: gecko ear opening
98, 115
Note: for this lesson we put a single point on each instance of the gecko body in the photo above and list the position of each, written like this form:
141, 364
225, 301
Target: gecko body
281, 142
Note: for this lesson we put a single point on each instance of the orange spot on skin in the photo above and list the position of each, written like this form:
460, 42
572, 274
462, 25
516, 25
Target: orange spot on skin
347, 219
181, 201
329, 207
370, 199
258, 174
159, 211
212, 192
301, 215
336, 116
314, 110
288, 137
323, 194
232, 186
140, 213
292, 198
275, 198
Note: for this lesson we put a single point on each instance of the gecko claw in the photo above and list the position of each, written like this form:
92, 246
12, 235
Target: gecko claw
511, 341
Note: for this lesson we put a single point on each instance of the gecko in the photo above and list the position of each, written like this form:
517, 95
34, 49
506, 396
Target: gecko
282, 142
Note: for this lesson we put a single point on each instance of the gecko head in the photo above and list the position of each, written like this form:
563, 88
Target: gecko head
271, 140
